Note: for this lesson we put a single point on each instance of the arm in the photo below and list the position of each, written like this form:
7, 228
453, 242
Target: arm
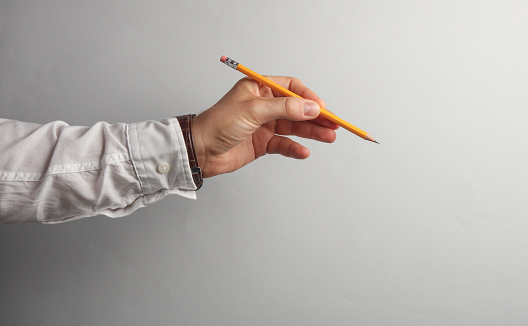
55, 172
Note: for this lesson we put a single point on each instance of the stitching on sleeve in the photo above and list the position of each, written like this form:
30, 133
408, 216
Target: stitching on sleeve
149, 185
30, 176
131, 158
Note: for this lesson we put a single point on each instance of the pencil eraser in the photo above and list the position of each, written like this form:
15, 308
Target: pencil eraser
223, 58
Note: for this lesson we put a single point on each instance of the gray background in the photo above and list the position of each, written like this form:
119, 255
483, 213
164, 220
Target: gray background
428, 228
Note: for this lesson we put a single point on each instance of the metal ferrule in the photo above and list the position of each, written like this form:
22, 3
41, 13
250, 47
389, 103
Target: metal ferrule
231, 63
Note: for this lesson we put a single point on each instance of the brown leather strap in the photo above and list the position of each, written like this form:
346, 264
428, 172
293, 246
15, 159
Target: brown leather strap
185, 125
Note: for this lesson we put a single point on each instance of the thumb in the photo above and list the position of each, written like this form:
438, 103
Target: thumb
290, 108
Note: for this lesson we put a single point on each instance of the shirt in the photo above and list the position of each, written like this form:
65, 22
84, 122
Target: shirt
55, 173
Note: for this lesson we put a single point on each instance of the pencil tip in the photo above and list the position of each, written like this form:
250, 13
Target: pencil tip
367, 137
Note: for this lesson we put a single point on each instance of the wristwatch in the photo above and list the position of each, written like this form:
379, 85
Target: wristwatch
185, 125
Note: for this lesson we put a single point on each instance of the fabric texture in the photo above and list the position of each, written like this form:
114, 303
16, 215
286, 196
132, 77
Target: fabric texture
55, 173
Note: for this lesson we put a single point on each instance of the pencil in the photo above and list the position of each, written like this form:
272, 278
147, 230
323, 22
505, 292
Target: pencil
325, 113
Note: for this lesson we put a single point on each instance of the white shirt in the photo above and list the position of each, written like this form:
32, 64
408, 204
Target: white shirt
55, 173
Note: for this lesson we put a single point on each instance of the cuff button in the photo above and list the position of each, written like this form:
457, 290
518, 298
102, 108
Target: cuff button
164, 168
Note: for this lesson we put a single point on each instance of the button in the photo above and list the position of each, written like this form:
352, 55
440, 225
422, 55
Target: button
164, 168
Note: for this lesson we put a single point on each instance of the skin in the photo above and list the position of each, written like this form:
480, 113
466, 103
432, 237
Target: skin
251, 120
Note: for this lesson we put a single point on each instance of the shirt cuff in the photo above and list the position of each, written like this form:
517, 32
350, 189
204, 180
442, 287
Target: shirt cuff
159, 156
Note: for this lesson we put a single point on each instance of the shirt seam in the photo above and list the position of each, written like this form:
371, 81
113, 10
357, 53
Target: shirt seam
142, 162
130, 155
29, 176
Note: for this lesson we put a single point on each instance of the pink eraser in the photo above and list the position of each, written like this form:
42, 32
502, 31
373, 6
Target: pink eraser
223, 58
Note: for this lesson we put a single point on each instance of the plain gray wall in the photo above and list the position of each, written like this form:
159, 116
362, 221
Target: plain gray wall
428, 228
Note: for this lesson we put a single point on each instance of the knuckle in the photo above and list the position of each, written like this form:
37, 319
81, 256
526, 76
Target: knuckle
244, 80
295, 80
306, 91
291, 106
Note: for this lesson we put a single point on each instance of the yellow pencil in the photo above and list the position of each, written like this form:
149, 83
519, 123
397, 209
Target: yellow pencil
263, 80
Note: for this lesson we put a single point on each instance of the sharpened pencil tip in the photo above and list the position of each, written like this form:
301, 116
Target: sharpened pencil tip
367, 137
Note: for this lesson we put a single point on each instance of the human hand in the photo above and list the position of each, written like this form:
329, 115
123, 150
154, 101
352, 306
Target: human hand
251, 120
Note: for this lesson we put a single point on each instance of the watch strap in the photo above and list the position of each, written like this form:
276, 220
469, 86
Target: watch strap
185, 125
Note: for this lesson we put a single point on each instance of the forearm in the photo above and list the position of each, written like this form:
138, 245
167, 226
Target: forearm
55, 172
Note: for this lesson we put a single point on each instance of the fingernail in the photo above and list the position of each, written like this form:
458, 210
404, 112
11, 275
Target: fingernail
311, 109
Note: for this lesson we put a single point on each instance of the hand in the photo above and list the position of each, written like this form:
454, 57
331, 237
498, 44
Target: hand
249, 120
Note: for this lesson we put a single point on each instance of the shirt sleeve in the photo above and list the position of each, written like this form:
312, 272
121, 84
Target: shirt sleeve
55, 173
